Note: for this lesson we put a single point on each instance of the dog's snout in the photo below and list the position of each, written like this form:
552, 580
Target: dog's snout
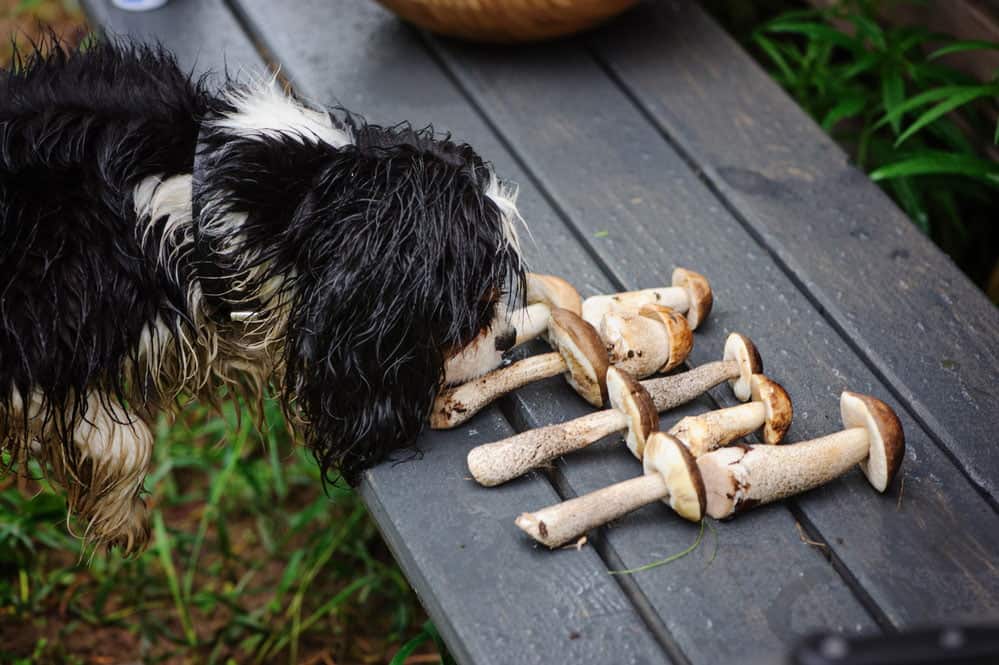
506, 339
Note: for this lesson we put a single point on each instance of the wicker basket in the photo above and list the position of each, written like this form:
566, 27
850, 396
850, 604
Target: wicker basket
505, 21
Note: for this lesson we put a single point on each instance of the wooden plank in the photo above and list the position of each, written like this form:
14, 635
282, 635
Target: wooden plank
393, 78
902, 304
611, 171
493, 600
202, 33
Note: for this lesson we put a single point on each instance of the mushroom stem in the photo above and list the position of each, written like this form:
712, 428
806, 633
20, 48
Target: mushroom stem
713, 429
559, 524
669, 392
455, 405
496, 463
740, 477
530, 322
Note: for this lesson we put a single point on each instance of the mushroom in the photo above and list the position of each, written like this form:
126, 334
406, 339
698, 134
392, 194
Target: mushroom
770, 409
634, 339
580, 352
485, 353
670, 476
498, 462
741, 477
544, 293
690, 293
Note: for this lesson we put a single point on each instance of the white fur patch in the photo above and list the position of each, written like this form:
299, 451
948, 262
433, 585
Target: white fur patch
264, 110
504, 195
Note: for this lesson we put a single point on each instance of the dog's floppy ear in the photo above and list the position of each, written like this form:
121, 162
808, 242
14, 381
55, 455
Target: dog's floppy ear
400, 259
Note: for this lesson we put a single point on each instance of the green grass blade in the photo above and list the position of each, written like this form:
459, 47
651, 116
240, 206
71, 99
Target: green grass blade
166, 560
936, 163
412, 645
662, 562
934, 95
892, 95
944, 107
965, 45
815, 31
770, 48
846, 108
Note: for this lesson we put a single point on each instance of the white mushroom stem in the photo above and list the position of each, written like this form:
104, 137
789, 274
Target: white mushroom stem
559, 524
493, 464
530, 322
596, 307
703, 433
454, 405
741, 477
669, 392
496, 463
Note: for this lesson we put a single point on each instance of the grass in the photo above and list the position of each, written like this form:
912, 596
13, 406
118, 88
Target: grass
250, 562
924, 131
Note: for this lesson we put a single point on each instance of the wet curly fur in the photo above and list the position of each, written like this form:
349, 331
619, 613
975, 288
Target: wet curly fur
161, 240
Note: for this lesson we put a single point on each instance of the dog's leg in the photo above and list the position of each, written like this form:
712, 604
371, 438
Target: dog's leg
113, 447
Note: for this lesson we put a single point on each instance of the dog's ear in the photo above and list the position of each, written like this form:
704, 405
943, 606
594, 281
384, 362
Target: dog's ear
400, 258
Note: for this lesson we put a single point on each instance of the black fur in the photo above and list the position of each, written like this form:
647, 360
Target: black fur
389, 255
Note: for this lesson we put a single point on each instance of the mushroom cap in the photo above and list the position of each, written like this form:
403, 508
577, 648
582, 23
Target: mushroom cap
678, 333
631, 398
742, 350
553, 291
776, 404
664, 454
634, 343
698, 291
887, 440
584, 354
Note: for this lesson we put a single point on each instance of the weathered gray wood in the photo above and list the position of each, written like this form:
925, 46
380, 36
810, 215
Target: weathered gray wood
202, 33
902, 304
396, 79
494, 600
611, 171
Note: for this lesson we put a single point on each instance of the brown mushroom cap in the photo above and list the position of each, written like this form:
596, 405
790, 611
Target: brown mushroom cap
631, 398
554, 292
776, 404
584, 353
678, 333
887, 440
698, 291
664, 454
742, 350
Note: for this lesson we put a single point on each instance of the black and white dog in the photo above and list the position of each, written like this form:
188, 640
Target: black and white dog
161, 241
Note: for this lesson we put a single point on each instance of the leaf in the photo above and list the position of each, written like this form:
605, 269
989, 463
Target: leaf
936, 94
412, 645
964, 45
934, 162
944, 107
847, 108
601, 234
892, 95
815, 31
771, 50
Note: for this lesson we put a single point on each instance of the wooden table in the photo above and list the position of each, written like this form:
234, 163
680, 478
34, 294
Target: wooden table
652, 143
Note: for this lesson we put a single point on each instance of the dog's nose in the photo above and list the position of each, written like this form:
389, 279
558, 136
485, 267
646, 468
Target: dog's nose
506, 339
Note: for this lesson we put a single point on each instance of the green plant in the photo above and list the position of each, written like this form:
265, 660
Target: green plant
249, 562
924, 131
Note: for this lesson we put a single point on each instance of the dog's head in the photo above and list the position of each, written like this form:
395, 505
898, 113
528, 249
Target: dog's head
395, 252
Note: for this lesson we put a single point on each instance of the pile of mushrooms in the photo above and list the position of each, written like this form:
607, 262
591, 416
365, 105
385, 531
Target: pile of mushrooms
604, 345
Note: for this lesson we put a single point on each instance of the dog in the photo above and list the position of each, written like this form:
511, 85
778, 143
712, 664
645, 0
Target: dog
164, 238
